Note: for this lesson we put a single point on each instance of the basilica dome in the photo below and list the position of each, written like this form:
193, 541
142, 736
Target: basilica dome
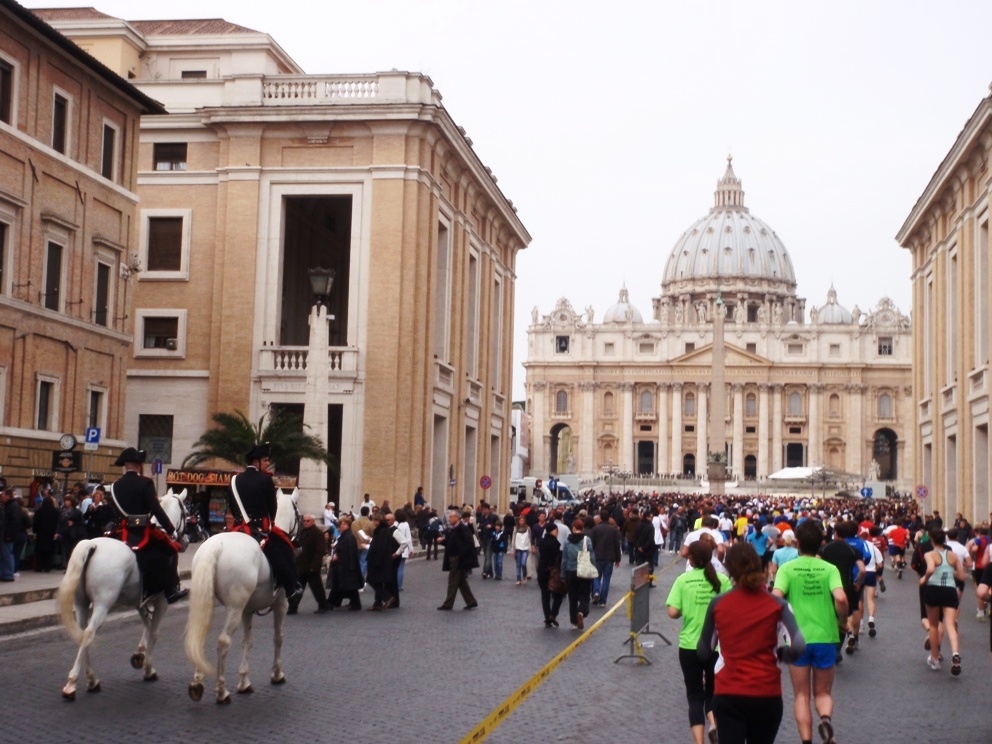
729, 247
623, 311
833, 312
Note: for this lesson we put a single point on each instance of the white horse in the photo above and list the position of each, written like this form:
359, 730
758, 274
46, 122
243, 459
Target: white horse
101, 573
230, 567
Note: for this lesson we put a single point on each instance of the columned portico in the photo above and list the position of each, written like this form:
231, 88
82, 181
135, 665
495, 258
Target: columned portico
762, 430
815, 455
538, 458
664, 459
627, 435
702, 423
738, 430
777, 424
587, 451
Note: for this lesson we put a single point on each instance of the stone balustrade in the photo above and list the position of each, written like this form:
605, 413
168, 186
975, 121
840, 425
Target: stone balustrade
292, 360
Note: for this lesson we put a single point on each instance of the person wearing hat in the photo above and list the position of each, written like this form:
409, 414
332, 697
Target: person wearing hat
251, 498
133, 498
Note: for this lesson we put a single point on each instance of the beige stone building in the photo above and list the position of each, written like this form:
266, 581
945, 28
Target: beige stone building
829, 389
68, 228
947, 233
261, 172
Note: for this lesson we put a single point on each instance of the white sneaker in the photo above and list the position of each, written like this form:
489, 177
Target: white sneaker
933, 663
979, 616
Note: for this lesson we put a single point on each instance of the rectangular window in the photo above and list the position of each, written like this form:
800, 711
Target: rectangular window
646, 347
193, 74
170, 156
472, 318
60, 123
561, 344
108, 159
160, 333
794, 349
885, 345
795, 430
835, 350
101, 300
609, 348
6, 91
496, 338
752, 313
442, 279
46, 405
155, 436
94, 411
689, 428
165, 244
690, 346
753, 348
981, 308
53, 277
3, 258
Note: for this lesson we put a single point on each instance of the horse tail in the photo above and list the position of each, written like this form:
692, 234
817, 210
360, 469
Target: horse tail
201, 606
65, 598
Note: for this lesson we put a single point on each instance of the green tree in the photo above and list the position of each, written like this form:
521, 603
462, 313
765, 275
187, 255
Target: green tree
234, 434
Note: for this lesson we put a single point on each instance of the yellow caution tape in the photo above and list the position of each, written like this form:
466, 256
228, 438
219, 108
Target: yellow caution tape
494, 719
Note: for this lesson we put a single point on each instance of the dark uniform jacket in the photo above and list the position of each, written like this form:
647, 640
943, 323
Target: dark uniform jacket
458, 544
258, 496
347, 569
313, 547
135, 494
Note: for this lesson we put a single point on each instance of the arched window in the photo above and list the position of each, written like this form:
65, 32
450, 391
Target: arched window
647, 402
750, 405
885, 406
561, 402
690, 404
795, 404
608, 404
834, 406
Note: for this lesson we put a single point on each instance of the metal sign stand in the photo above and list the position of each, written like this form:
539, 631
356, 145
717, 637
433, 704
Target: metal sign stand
639, 611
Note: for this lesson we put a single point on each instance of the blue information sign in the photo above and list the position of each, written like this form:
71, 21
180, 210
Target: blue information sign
866, 492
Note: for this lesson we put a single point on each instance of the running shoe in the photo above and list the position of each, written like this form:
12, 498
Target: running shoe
871, 627
899, 574
826, 731
933, 663
881, 584
956, 664
980, 616
581, 622
926, 644
852, 645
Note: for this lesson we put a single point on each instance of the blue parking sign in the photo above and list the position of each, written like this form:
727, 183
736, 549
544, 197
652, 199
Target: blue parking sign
92, 435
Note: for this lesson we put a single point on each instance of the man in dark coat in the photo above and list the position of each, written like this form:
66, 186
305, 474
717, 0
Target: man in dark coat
44, 524
644, 545
133, 498
459, 559
380, 573
252, 500
346, 570
313, 548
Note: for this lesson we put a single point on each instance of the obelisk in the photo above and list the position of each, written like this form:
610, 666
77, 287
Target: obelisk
716, 467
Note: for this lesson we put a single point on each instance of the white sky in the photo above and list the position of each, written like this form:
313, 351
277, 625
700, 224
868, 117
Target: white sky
608, 125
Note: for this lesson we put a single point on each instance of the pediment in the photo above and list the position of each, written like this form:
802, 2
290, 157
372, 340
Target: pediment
735, 357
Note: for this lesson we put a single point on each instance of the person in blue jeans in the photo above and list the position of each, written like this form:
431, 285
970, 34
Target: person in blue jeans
521, 548
498, 550
606, 547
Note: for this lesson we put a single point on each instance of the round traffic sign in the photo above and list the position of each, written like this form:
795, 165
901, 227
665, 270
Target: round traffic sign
922, 492
866, 492
485, 481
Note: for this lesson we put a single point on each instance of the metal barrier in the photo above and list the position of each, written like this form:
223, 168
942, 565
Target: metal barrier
639, 612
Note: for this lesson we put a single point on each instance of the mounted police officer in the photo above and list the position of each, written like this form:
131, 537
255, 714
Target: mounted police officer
133, 498
252, 501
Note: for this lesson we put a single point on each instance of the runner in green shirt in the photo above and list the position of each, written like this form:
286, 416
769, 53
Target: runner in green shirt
689, 597
815, 592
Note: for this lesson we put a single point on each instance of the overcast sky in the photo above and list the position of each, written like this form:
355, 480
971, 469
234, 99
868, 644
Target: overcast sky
608, 124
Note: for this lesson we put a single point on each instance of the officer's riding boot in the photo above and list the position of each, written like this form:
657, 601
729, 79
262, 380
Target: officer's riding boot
176, 593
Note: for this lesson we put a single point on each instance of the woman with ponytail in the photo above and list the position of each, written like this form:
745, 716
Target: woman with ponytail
690, 596
747, 623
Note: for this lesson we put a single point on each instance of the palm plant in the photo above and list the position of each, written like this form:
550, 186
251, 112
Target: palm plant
234, 434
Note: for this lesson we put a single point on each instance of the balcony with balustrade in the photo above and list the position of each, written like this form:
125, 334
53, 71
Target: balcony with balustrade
284, 368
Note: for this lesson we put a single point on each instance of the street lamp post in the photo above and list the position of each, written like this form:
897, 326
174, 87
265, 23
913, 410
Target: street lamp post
624, 475
313, 474
610, 469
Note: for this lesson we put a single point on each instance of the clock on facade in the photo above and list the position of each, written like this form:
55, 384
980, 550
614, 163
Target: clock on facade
67, 441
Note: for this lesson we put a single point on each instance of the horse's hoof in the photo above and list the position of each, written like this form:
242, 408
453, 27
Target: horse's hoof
137, 661
195, 691
93, 688
153, 677
280, 680
247, 691
224, 701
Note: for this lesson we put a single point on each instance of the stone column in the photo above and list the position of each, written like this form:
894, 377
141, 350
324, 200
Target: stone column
738, 430
702, 423
815, 455
627, 439
538, 455
762, 430
855, 430
313, 474
664, 460
676, 427
587, 446
777, 424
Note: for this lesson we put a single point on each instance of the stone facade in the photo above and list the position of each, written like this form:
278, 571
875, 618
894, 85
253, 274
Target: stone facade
947, 233
68, 172
261, 172
832, 390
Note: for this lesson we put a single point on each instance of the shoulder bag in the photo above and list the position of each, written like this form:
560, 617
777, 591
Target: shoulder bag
586, 568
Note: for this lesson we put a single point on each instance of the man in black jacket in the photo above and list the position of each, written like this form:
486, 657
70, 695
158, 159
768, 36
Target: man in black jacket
313, 548
133, 497
252, 500
459, 559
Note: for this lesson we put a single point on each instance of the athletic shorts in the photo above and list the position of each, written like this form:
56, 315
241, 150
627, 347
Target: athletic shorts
940, 596
976, 574
959, 585
818, 656
896, 550
870, 579
854, 600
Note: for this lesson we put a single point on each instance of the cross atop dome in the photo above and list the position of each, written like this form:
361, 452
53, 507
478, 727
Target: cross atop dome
729, 194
